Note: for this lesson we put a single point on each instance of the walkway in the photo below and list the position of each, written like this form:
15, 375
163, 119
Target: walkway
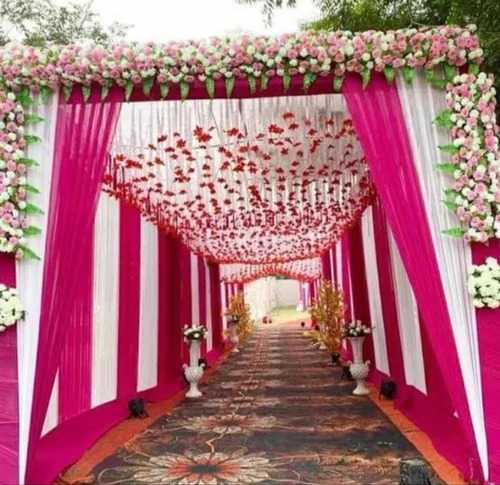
275, 413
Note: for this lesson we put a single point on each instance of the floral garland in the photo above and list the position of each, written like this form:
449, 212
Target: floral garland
11, 310
244, 57
14, 187
484, 284
475, 156
196, 332
256, 59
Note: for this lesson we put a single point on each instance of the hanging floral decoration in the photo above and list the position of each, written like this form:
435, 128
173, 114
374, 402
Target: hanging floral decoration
273, 196
11, 310
301, 270
475, 158
484, 284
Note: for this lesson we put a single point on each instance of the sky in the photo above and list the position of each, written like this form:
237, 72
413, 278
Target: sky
164, 20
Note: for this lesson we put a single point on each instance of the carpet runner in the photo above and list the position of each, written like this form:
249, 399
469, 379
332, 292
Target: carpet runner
277, 412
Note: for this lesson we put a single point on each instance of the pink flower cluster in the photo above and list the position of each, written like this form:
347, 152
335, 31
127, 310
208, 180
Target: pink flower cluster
476, 188
12, 175
239, 57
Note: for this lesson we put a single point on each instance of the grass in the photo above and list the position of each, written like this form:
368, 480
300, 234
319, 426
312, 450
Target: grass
288, 314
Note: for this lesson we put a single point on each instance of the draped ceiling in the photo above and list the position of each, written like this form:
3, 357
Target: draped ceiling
260, 181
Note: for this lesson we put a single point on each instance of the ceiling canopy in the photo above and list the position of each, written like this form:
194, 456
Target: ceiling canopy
246, 181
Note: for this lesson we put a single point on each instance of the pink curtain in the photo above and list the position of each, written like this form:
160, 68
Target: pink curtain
174, 322
83, 136
326, 269
185, 299
334, 264
215, 305
202, 285
346, 352
378, 120
9, 408
387, 294
358, 282
75, 368
129, 300
487, 323
441, 426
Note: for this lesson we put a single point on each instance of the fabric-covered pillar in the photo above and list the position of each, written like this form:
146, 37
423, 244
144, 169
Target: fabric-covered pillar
376, 112
9, 406
83, 136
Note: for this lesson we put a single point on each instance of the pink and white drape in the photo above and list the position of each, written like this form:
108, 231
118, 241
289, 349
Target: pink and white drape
392, 166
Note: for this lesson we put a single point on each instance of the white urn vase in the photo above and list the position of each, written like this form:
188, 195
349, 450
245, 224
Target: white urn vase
193, 371
359, 369
233, 335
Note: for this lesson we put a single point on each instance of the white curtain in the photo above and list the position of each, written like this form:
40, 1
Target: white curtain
421, 104
195, 291
374, 299
223, 304
338, 264
208, 322
409, 322
30, 272
105, 301
52, 416
147, 376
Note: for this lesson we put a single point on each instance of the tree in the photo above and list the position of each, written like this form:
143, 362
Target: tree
361, 15
41, 22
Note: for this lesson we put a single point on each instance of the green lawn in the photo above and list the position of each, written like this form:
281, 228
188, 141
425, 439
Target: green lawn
288, 314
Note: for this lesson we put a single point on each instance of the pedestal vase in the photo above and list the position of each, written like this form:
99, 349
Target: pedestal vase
359, 369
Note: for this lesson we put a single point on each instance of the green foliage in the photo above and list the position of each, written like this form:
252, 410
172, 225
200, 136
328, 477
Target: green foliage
43, 22
361, 15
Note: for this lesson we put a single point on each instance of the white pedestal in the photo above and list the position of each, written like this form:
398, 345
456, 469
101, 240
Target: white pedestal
193, 371
359, 370
233, 337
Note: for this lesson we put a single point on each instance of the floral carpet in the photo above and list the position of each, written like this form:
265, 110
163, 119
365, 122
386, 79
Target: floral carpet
277, 412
